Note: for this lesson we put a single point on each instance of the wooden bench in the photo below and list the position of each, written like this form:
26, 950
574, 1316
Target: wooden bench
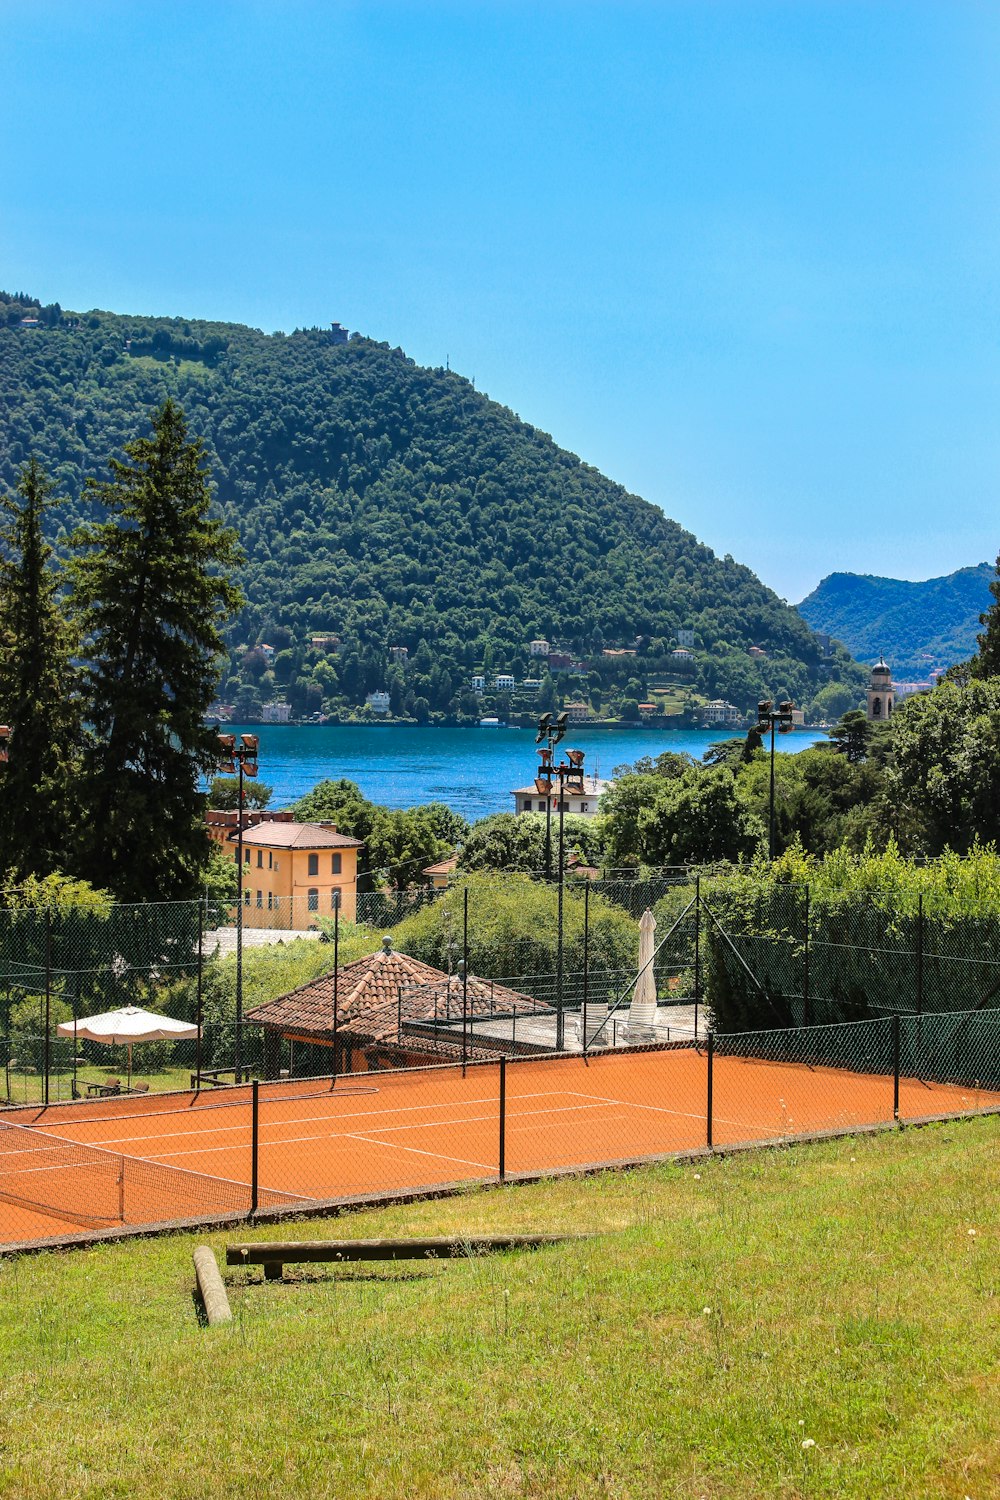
274, 1255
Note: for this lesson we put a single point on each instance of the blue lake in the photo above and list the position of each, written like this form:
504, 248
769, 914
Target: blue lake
472, 770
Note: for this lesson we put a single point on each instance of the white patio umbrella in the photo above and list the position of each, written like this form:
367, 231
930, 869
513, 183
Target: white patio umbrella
642, 1010
126, 1026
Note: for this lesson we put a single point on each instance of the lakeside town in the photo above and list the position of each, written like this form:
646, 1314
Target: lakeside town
659, 691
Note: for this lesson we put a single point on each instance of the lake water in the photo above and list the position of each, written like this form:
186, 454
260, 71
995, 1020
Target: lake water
472, 770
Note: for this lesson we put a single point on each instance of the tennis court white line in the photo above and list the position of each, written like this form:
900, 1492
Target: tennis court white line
330, 1136
243, 1126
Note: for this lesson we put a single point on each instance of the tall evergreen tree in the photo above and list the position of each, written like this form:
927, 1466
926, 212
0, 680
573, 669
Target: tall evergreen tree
987, 663
152, 592
37, 697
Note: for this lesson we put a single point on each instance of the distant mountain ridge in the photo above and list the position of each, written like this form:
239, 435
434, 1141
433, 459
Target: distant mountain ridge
915, 626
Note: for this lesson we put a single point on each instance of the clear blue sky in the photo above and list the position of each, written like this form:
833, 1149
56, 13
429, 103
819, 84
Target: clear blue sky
741, 256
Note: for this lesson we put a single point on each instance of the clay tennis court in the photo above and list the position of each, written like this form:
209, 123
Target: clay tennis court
147, 1160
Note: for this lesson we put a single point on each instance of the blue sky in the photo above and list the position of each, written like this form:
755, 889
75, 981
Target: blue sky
741, 256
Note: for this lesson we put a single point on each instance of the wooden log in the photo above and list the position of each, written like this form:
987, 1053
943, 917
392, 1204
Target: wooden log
272, 1254
210, 1286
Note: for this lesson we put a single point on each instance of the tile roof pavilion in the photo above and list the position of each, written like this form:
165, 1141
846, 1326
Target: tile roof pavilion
376, 992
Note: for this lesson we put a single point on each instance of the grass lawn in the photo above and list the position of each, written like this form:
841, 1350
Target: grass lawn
816, 1321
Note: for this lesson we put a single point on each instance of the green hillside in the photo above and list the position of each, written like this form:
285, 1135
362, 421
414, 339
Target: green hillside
916, 626
389, 505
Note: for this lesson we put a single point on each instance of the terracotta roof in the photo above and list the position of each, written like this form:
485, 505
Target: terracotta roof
296, 836
443, 867
373, 992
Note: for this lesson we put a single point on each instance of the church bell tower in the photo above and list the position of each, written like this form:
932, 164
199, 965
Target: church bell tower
881, 694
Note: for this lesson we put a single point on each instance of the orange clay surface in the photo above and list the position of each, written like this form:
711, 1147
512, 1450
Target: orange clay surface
376, 1132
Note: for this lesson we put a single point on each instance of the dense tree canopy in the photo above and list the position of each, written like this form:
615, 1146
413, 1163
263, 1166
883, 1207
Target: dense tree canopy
387, 505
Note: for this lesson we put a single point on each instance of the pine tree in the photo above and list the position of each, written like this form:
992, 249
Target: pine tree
37, 691
152, 592
987, 663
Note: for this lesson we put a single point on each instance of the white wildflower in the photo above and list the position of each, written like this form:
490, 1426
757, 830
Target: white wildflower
808, 1443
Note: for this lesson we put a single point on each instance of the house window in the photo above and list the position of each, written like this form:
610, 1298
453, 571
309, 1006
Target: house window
541, 805
270, 900
246, 856
260, 859
584, 807
260, 900
313, 900
333, 897
246, 898
335, 864
314, 864
270, 859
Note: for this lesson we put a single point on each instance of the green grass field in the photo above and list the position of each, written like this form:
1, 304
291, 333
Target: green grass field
817, 1321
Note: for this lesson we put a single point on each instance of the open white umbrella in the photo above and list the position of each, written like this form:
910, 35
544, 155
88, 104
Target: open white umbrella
642, 1010
126, 1026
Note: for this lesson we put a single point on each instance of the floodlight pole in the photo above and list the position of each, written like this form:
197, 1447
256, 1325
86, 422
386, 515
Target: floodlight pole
767, 718
243, 759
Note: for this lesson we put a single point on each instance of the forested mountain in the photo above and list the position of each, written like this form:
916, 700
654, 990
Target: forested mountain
916, 626
384, 505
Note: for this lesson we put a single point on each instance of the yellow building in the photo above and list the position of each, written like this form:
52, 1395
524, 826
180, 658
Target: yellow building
292, 872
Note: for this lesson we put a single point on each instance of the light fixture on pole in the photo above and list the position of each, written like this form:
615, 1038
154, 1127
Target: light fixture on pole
239, 759
551, 732
569, 774
767, 718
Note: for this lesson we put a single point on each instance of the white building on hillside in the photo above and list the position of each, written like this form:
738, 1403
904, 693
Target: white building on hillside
378, 702
721, 712
530, 799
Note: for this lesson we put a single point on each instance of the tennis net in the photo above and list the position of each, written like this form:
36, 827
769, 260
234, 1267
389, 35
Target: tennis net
91, 1187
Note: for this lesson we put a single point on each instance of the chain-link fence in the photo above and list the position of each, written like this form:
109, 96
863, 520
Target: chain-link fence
548, 969
296, 1144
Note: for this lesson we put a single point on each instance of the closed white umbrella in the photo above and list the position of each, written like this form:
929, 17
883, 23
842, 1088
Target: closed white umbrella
126, 1026
642, 1010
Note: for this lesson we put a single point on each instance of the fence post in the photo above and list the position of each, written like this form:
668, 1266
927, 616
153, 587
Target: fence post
198, 1002
920, 954
47, 1053
895, 1067
697, 951
503, 1117
711, 1070
465, 977
806, 1006
586, 961
254, 1143
336, 982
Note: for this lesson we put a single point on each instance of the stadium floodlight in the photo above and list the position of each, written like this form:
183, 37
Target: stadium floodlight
543, 728
560, 728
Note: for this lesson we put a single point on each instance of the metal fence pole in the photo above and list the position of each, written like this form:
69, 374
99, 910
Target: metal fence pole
465, 978
697, 950
198, 1001
47, 1053
560, 1011
806, 1004
336, 983
586, 960
254, 1144
238, 1059
711, 1081
503, 1117
920, 954
895, 1067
